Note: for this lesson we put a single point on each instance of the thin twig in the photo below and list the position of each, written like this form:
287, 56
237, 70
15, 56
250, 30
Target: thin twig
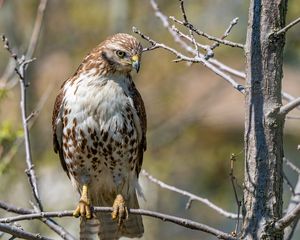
287, 27
238, 202
287, 219
200, 33
284, 110
192, 197
14, 231
177, 220
226, 33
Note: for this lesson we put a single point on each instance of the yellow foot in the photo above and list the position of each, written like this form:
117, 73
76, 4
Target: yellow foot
120, 211
84, 207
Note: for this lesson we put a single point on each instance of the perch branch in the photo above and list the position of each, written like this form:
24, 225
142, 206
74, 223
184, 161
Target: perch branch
192, 197
179, 221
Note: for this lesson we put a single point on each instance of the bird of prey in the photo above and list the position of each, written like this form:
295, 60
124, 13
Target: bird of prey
99, 131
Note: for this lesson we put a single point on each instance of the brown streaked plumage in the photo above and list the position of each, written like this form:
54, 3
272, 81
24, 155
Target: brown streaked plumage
99, 131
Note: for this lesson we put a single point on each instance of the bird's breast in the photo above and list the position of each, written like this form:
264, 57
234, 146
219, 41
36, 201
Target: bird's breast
100, 135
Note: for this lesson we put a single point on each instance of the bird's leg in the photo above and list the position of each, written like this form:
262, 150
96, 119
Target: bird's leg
84, 207
120, 211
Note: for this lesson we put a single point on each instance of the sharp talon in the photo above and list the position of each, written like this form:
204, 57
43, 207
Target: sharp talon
84, 208
76, 212
120, 211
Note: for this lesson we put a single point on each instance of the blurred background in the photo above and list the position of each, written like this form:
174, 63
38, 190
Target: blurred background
195, 118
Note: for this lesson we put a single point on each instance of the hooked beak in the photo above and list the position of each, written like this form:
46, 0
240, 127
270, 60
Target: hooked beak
135, 63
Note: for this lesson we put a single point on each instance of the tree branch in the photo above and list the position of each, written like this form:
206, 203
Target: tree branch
171, 29
287, 219
287, 27
181, 57
192, 197
284, 110
16, 232
177, 220
200, 33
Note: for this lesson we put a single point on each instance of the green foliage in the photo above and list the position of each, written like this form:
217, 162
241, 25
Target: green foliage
8, 134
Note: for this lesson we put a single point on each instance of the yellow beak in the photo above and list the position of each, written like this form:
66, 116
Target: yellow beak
135, 63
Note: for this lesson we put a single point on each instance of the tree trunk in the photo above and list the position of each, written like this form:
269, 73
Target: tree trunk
263, 125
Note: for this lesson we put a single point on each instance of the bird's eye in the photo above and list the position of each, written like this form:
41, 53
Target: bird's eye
120, 54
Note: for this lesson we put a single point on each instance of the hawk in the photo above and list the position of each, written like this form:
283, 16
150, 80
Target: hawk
99, 132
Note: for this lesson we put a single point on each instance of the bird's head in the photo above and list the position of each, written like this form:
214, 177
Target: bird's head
122, 52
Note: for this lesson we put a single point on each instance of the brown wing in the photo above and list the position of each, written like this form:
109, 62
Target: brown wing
141, 112
57, 127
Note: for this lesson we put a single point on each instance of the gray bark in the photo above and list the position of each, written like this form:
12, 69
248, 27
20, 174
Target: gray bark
263, 124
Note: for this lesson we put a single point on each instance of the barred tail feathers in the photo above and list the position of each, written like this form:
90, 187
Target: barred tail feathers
131, 228
89, 229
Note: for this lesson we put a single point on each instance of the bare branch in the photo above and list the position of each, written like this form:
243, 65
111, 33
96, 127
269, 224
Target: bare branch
179, 221
233, 183
284, 110
164, 19
287, 27
181, 57
192, 197
226, 33
11, 208
287, 219
200, 33
16, 232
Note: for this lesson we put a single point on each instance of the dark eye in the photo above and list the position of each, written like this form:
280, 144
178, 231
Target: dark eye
120, 54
